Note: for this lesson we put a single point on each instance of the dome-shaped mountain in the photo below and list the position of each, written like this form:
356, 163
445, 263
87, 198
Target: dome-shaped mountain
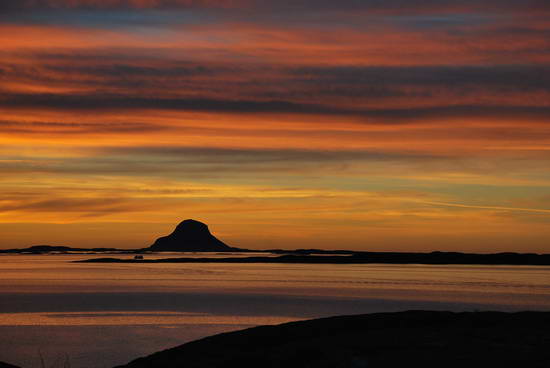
190, 236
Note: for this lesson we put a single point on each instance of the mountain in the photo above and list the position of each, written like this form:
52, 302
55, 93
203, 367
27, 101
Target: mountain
190, 236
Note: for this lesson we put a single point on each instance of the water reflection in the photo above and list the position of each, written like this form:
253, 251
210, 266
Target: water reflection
63, 307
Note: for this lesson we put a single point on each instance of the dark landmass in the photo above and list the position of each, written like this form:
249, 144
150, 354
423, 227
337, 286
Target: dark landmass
43, 249
312, 251
433, 258
194, 236
406, 339
190, 236
6, 365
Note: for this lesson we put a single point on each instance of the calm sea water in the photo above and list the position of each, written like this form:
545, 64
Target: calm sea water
101, 315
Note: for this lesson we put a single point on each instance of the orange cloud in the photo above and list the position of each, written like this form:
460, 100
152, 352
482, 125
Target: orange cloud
361, 125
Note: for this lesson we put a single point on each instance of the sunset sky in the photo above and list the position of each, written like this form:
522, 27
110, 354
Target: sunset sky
395, 125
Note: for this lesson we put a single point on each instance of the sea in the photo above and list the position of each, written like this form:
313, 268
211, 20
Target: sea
55, 312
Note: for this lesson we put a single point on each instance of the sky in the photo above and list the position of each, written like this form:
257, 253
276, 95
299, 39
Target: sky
393, 125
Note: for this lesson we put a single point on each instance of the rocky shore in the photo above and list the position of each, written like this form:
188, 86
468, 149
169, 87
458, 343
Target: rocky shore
406, 339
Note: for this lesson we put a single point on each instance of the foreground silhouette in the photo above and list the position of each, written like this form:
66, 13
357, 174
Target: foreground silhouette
6, 365
406, 339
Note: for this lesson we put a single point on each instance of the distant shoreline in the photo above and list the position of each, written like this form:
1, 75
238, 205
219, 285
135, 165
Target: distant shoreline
304, 256
434, 258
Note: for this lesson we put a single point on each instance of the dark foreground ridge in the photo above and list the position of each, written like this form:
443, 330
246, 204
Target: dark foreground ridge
190, 236
362, 258
6, 365
406, 339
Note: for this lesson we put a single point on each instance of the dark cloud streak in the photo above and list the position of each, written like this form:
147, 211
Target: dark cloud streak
391, 6
496, 77
76, 128
230, 87
121, 102
89, 206
385, 115
201, 162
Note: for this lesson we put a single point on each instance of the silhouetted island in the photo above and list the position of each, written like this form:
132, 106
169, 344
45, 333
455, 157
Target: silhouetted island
194, 236
190, 236
405, 339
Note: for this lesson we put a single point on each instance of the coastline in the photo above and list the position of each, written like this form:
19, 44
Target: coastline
434, 258
420, 338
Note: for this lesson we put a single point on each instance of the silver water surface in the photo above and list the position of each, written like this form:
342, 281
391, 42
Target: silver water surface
100, 315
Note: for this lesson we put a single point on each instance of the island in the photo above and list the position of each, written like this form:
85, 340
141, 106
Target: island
188, 236
433, 258
192, 236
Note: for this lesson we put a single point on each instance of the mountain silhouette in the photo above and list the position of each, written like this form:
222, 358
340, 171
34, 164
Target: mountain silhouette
190, 236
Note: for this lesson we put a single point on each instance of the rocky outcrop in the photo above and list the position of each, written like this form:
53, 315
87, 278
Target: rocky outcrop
390, 340
190, 236
6, 365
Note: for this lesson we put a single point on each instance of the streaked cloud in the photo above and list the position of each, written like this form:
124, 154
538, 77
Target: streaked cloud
392, 125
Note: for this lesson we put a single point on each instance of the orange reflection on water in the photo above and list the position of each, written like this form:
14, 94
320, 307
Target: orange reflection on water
158, 318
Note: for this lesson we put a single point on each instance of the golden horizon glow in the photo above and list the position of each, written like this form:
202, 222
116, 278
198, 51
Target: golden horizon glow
359, 126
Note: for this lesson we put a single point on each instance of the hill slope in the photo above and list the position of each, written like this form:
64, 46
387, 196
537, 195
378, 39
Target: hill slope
416, 338
190, 236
